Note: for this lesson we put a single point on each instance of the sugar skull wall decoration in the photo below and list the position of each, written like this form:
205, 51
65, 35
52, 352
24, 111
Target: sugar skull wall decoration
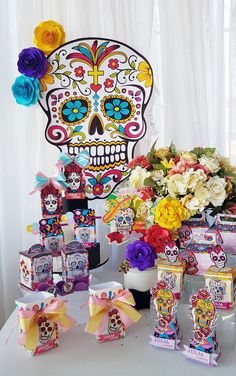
94, 94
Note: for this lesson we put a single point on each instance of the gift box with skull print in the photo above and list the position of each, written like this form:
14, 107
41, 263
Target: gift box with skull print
113, 327
35, 267
220, 284
75, 262
172, 275
52, 239
85, 227
48, 336
51, 201
75, 180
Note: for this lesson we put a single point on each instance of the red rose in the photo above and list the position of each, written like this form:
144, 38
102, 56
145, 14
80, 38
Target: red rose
139, 161
158, 237
203, 294
232, 209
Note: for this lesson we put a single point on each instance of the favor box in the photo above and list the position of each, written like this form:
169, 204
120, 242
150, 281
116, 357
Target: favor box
225, 226
85, 227
51, 201
75, 180
113, 328
220, 284
35, 267
75, 263
172, 274
48, 337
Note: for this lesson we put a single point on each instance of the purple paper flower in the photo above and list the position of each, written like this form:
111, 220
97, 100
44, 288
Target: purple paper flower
32, 62
140, 255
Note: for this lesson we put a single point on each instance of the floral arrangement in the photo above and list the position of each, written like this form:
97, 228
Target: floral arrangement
33, 63
184, 184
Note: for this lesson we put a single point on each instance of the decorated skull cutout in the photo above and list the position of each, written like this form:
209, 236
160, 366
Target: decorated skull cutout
46, 330
73, 181
170, 279
96, 99
204, 312
124, 220
42, 268
217, 289
84, 234
185, 236
190, 261
165, 302
218, 256
51, 203
76, 265
172, 252
114, 322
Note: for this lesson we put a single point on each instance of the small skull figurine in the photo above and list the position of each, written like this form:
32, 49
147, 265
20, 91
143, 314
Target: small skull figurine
114, 322
51, 203
185, 236
124, 220
190, 260
217, 289
171, 252
218, 256
46, 330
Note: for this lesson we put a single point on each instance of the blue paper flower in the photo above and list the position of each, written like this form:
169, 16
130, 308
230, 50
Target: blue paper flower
117, 108
26, 90
74, 110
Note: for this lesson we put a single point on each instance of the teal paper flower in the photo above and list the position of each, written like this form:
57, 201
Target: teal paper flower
26, 90
117, 108
74, 110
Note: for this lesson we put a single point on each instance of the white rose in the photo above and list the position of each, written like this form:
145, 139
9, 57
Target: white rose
137, 177
194, 178
158, 177
211, 163
177, 185
216, 187
203, 195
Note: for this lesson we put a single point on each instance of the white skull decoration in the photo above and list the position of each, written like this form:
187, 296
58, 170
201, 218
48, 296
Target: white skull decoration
124, 219
218, 256
43, 268
114, 322
74, 181
76, 265
84, 234
96, 98
46, 330
51, 203
185, 236
172, 252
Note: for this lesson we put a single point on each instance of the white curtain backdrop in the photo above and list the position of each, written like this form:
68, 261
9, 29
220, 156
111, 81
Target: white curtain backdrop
184, 42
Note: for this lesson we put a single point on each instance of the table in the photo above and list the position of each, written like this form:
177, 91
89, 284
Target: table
79, 353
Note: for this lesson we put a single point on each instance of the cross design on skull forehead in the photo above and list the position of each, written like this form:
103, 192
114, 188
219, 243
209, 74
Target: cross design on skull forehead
96, 98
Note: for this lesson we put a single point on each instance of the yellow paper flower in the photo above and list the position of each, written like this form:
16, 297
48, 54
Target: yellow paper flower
167, 164
49, 35
145, 73
162, 153
170, 213
47, 79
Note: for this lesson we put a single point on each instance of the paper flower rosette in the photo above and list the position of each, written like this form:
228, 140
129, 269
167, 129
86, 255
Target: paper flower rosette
204, 347
166, 333
40, 316
111, 311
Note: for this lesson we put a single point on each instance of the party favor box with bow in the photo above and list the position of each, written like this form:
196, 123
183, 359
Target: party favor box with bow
85, 227
172, 274
40, 315
36, 266
111, 311
75, 263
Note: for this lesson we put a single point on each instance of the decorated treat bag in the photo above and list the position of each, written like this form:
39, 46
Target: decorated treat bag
40, 315
50, 193
219, 280
203, 347
75, 263
166, 331
53, 239
35, 267
73, 170
111, 311
85, 227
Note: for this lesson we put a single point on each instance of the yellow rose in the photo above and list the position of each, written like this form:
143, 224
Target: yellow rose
216, 186
190, 157
170, 213
49, 35
137, 177
162, 153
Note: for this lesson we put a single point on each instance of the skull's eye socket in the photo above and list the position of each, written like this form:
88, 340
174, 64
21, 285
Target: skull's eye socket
222, 258
73, 264
39, 268
214, 258
74, 110
169, 301
160, 300
209, 314
175, 253
47, 202
120, 219
181, 235
128, 219
190, 259
117, 108
187, 233
54, 202
199, 311
113, 320
168, 252
50, 329
77, 180
119, 322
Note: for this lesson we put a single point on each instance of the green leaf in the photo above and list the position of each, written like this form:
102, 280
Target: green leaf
74, 85
117, 90
67, 73
83, 82
127, 71
158, 166
113, 75
198, 151
149, 182
209, 152
133, 65
58, 76
62, 66
57, 57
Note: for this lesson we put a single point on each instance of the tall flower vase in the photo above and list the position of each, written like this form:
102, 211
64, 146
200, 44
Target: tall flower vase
140, 283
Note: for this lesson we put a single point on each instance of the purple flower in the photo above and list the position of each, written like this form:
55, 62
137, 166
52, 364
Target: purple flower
32, 62
140, 255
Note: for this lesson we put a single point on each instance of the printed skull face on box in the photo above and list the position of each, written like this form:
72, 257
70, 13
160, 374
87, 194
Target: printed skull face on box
95, 98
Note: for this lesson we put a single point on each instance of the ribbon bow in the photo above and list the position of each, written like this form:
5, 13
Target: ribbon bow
59, 182
100, 307
30, 321
82, 159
